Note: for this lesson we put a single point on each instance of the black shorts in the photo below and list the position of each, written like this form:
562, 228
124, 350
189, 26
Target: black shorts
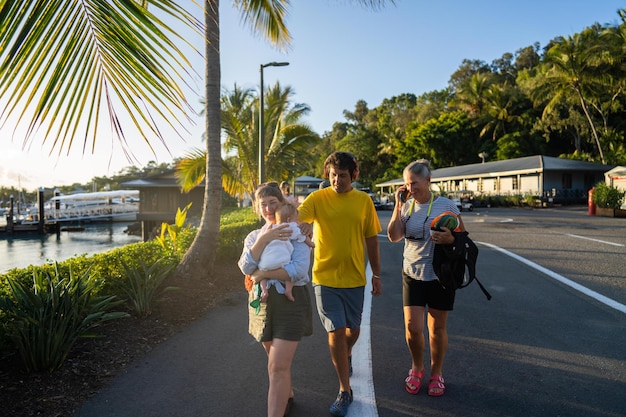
426, 293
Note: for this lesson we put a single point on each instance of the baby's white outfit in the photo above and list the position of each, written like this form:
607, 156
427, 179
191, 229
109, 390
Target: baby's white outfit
278, 252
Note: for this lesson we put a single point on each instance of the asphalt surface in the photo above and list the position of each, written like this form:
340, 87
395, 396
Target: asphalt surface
545, 345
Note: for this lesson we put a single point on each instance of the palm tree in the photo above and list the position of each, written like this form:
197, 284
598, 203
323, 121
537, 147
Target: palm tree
241, 138
67, 59
570, 72
267, 17
471, 96
290, 140
499, 110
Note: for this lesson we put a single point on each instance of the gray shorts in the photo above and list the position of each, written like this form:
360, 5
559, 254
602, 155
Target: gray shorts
280, 318
339, 307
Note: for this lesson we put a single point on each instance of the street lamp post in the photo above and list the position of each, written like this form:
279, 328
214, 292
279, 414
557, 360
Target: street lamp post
261, 116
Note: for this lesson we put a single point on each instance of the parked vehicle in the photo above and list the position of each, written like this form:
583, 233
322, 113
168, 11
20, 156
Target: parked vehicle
463, 199
384, 202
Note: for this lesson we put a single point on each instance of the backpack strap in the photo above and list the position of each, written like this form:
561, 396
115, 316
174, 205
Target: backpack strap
471, 254
483, 288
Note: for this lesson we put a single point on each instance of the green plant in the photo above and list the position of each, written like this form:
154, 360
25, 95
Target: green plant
234, 228
514, 200
530, 200
143, 285
173, 230
46, 319
107, 274
607, 197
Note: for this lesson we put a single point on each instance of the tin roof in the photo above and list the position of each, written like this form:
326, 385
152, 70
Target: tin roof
525, 165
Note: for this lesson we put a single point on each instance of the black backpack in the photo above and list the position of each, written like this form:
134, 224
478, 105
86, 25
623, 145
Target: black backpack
450, 263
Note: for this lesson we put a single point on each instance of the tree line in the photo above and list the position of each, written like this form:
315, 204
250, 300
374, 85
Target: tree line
564, 100
122, 57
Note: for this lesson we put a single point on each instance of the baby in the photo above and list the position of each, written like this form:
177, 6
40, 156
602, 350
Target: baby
277, 253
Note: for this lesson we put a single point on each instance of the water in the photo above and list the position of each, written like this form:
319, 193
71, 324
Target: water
22, 250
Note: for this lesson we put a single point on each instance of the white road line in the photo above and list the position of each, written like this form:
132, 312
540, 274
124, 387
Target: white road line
595, 240
362, 380
590, 293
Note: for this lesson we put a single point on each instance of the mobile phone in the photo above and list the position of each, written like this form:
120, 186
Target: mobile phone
404, 195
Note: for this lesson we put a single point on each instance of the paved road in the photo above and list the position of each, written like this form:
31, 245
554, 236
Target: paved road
539, 348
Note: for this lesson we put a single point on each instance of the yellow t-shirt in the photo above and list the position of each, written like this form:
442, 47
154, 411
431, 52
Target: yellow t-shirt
341, 222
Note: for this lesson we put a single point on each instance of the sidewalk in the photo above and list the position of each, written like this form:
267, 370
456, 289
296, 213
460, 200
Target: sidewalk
213, 368
537, 348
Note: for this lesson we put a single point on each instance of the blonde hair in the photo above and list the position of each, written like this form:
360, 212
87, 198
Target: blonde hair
286, 213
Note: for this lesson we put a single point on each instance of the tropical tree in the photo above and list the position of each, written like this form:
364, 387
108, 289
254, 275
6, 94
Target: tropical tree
500, 110
570, 73
460, 78
290, 141
68, 58
361, 138
470, 96
448, 140
268, 18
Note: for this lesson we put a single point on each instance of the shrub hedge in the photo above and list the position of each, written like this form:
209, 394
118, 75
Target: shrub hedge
106, 270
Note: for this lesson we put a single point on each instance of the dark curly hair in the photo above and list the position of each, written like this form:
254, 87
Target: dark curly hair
341, 160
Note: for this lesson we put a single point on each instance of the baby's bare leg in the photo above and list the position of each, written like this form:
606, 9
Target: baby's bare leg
288, 291
264, 293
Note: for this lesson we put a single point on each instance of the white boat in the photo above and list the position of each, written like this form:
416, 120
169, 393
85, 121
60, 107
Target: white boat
103, 206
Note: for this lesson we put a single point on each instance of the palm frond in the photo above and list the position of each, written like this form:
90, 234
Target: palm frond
191, 169
266, 18
67, 64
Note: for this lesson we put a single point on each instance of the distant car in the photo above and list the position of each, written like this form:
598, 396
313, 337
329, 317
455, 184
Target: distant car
383, 202
462, 200
463, 205
379, 203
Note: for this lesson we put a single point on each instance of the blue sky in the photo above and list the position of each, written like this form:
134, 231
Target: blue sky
341, 53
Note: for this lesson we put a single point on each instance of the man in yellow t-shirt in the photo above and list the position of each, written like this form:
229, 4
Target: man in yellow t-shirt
345, 223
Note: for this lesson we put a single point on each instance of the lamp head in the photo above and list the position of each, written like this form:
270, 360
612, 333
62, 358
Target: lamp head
275, 64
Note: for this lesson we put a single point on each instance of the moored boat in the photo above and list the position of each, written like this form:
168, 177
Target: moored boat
103, 206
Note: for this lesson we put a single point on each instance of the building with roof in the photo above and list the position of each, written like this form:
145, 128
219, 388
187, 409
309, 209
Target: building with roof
305, 185
616, 177
560, 180
160, 197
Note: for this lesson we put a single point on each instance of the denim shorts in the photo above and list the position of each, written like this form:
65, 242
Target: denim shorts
417, 293
339, 307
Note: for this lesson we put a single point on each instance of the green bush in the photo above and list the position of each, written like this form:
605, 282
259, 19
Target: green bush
46, 318
607, 197
105, 272
234, 228
530, 200
142, 285
514, 200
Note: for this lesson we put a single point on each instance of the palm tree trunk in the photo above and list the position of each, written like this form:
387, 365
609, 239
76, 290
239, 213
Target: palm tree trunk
200, 258
593, 128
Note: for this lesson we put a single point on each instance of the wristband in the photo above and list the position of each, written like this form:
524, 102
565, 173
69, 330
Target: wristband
375, 276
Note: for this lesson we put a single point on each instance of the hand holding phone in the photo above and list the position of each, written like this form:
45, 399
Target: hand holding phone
404, 195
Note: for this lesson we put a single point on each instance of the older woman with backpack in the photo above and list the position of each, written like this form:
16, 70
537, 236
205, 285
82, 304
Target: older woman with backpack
416, 208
